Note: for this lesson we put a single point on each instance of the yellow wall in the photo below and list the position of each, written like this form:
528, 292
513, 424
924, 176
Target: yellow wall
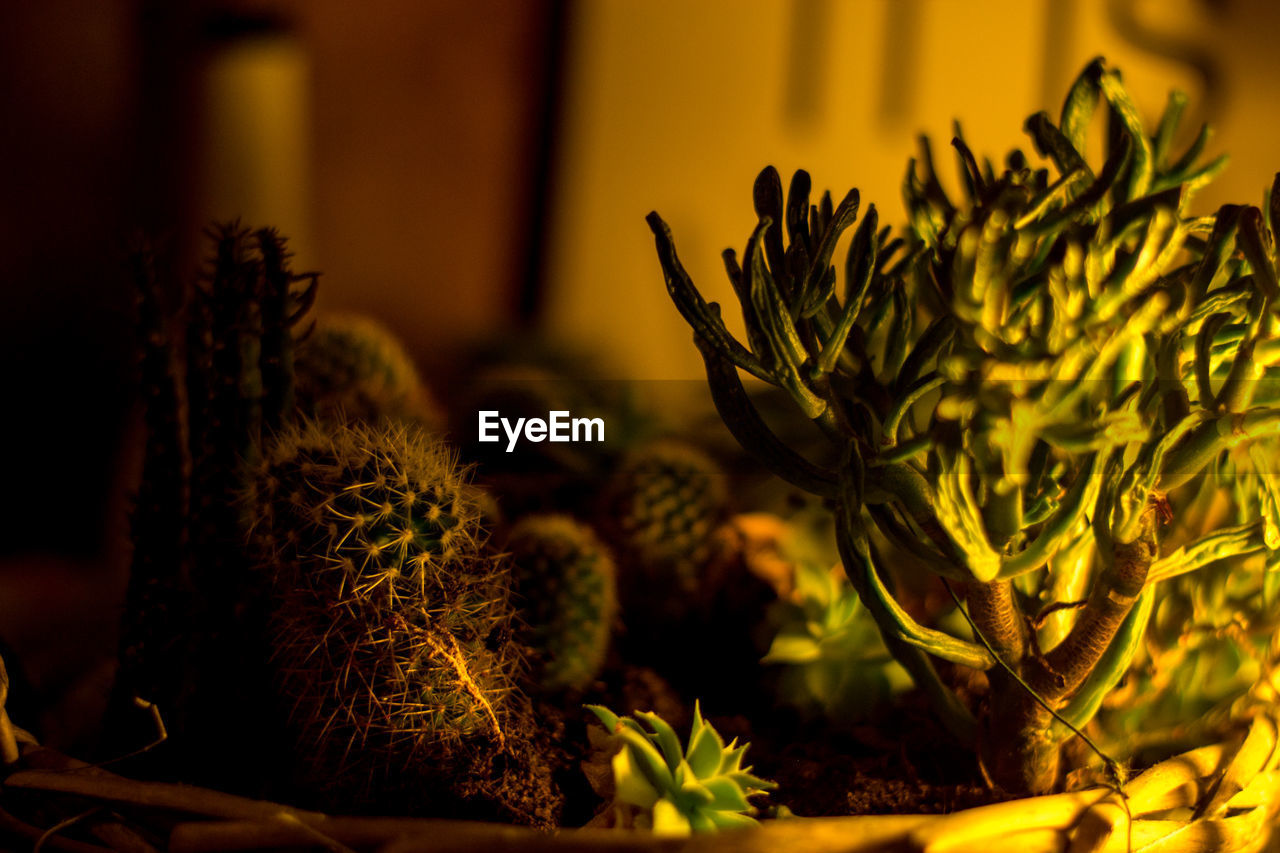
675, 106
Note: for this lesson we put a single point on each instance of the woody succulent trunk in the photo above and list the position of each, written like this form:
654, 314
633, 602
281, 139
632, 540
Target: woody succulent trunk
1025, 388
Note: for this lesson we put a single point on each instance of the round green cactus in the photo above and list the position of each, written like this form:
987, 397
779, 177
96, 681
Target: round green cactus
566, 579
391, 619
352, 366
662, 505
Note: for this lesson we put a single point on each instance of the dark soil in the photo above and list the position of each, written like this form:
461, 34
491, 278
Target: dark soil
903, 763
824, 779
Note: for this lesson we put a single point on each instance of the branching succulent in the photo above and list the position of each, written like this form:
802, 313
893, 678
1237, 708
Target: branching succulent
659, 786
1022, 387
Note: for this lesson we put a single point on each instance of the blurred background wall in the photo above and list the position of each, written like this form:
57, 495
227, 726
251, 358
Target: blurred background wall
676, 106
468, 168
398, 145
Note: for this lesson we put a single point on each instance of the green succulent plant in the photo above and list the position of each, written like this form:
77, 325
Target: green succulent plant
1210, 636
566, 583
674, 791
1020, 387
832, 658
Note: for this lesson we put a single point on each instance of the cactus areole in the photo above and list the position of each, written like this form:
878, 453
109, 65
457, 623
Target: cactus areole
1025, 386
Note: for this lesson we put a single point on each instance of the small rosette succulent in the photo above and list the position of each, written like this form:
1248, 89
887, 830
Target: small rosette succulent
673, 792
832, 658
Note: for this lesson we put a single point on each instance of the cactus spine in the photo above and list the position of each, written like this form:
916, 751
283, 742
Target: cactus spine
391, 618
213, 378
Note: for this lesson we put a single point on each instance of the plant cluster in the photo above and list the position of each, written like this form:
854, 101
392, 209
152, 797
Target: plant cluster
1022, 388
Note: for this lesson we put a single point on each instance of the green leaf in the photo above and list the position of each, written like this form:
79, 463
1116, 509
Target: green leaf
1175, 105
727, 794
822, 679
813, 583
1051, 143
792, 648
693, 794
733, 820
646, 760
669, 820
1264, 463
607, 717
1222, 241
957, 512
1271, 581
705, 750
705, 322
744, 422
631, 785
1254, 240
667, 740
843, 217
1080, 103
750, 783
1141, 168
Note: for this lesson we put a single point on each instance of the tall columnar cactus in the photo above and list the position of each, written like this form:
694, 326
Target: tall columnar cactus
352, 366
391, 623
565, 580
1022, 386
215, 377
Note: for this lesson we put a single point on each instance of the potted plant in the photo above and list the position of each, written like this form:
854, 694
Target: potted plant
1033, 391
1052, 495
